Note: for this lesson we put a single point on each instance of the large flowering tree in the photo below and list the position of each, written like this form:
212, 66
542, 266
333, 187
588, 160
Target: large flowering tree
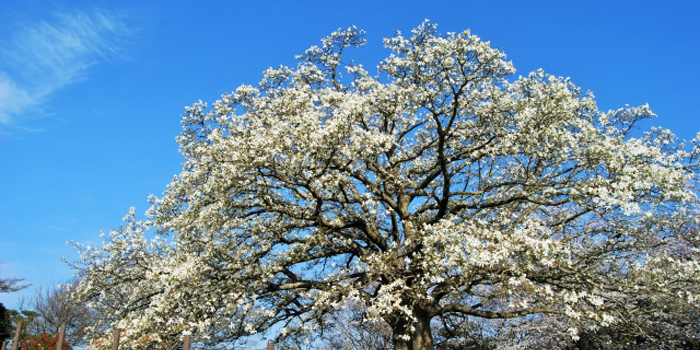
438, 187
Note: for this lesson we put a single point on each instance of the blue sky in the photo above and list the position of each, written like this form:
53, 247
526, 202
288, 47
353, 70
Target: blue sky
91, 92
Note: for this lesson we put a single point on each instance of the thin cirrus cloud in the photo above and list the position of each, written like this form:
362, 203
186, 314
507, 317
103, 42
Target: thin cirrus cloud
42, 57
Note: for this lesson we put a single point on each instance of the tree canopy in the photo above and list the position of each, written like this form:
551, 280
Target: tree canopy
8, 285
441, 186
5, 324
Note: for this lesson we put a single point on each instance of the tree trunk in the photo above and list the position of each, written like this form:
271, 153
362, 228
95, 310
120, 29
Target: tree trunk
421, 336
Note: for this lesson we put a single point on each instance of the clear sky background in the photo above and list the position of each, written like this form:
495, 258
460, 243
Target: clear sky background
91, 92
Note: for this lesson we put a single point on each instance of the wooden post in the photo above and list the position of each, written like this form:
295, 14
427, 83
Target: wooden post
270, 345
4, 345
15, 341
61, 336
117, 333
187, 342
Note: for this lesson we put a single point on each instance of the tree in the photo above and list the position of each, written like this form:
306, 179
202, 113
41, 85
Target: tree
8, 285
55, 306
441, 186
349, 330
11, 285
458, 332
5, 324
24, 316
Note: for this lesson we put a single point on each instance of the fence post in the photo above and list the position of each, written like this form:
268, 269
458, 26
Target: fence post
4, 345
61, 336
187, 342
117, 333
270, 345
15, 341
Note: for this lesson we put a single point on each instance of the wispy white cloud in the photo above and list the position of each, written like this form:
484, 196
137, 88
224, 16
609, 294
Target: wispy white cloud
13, 99
42, 57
